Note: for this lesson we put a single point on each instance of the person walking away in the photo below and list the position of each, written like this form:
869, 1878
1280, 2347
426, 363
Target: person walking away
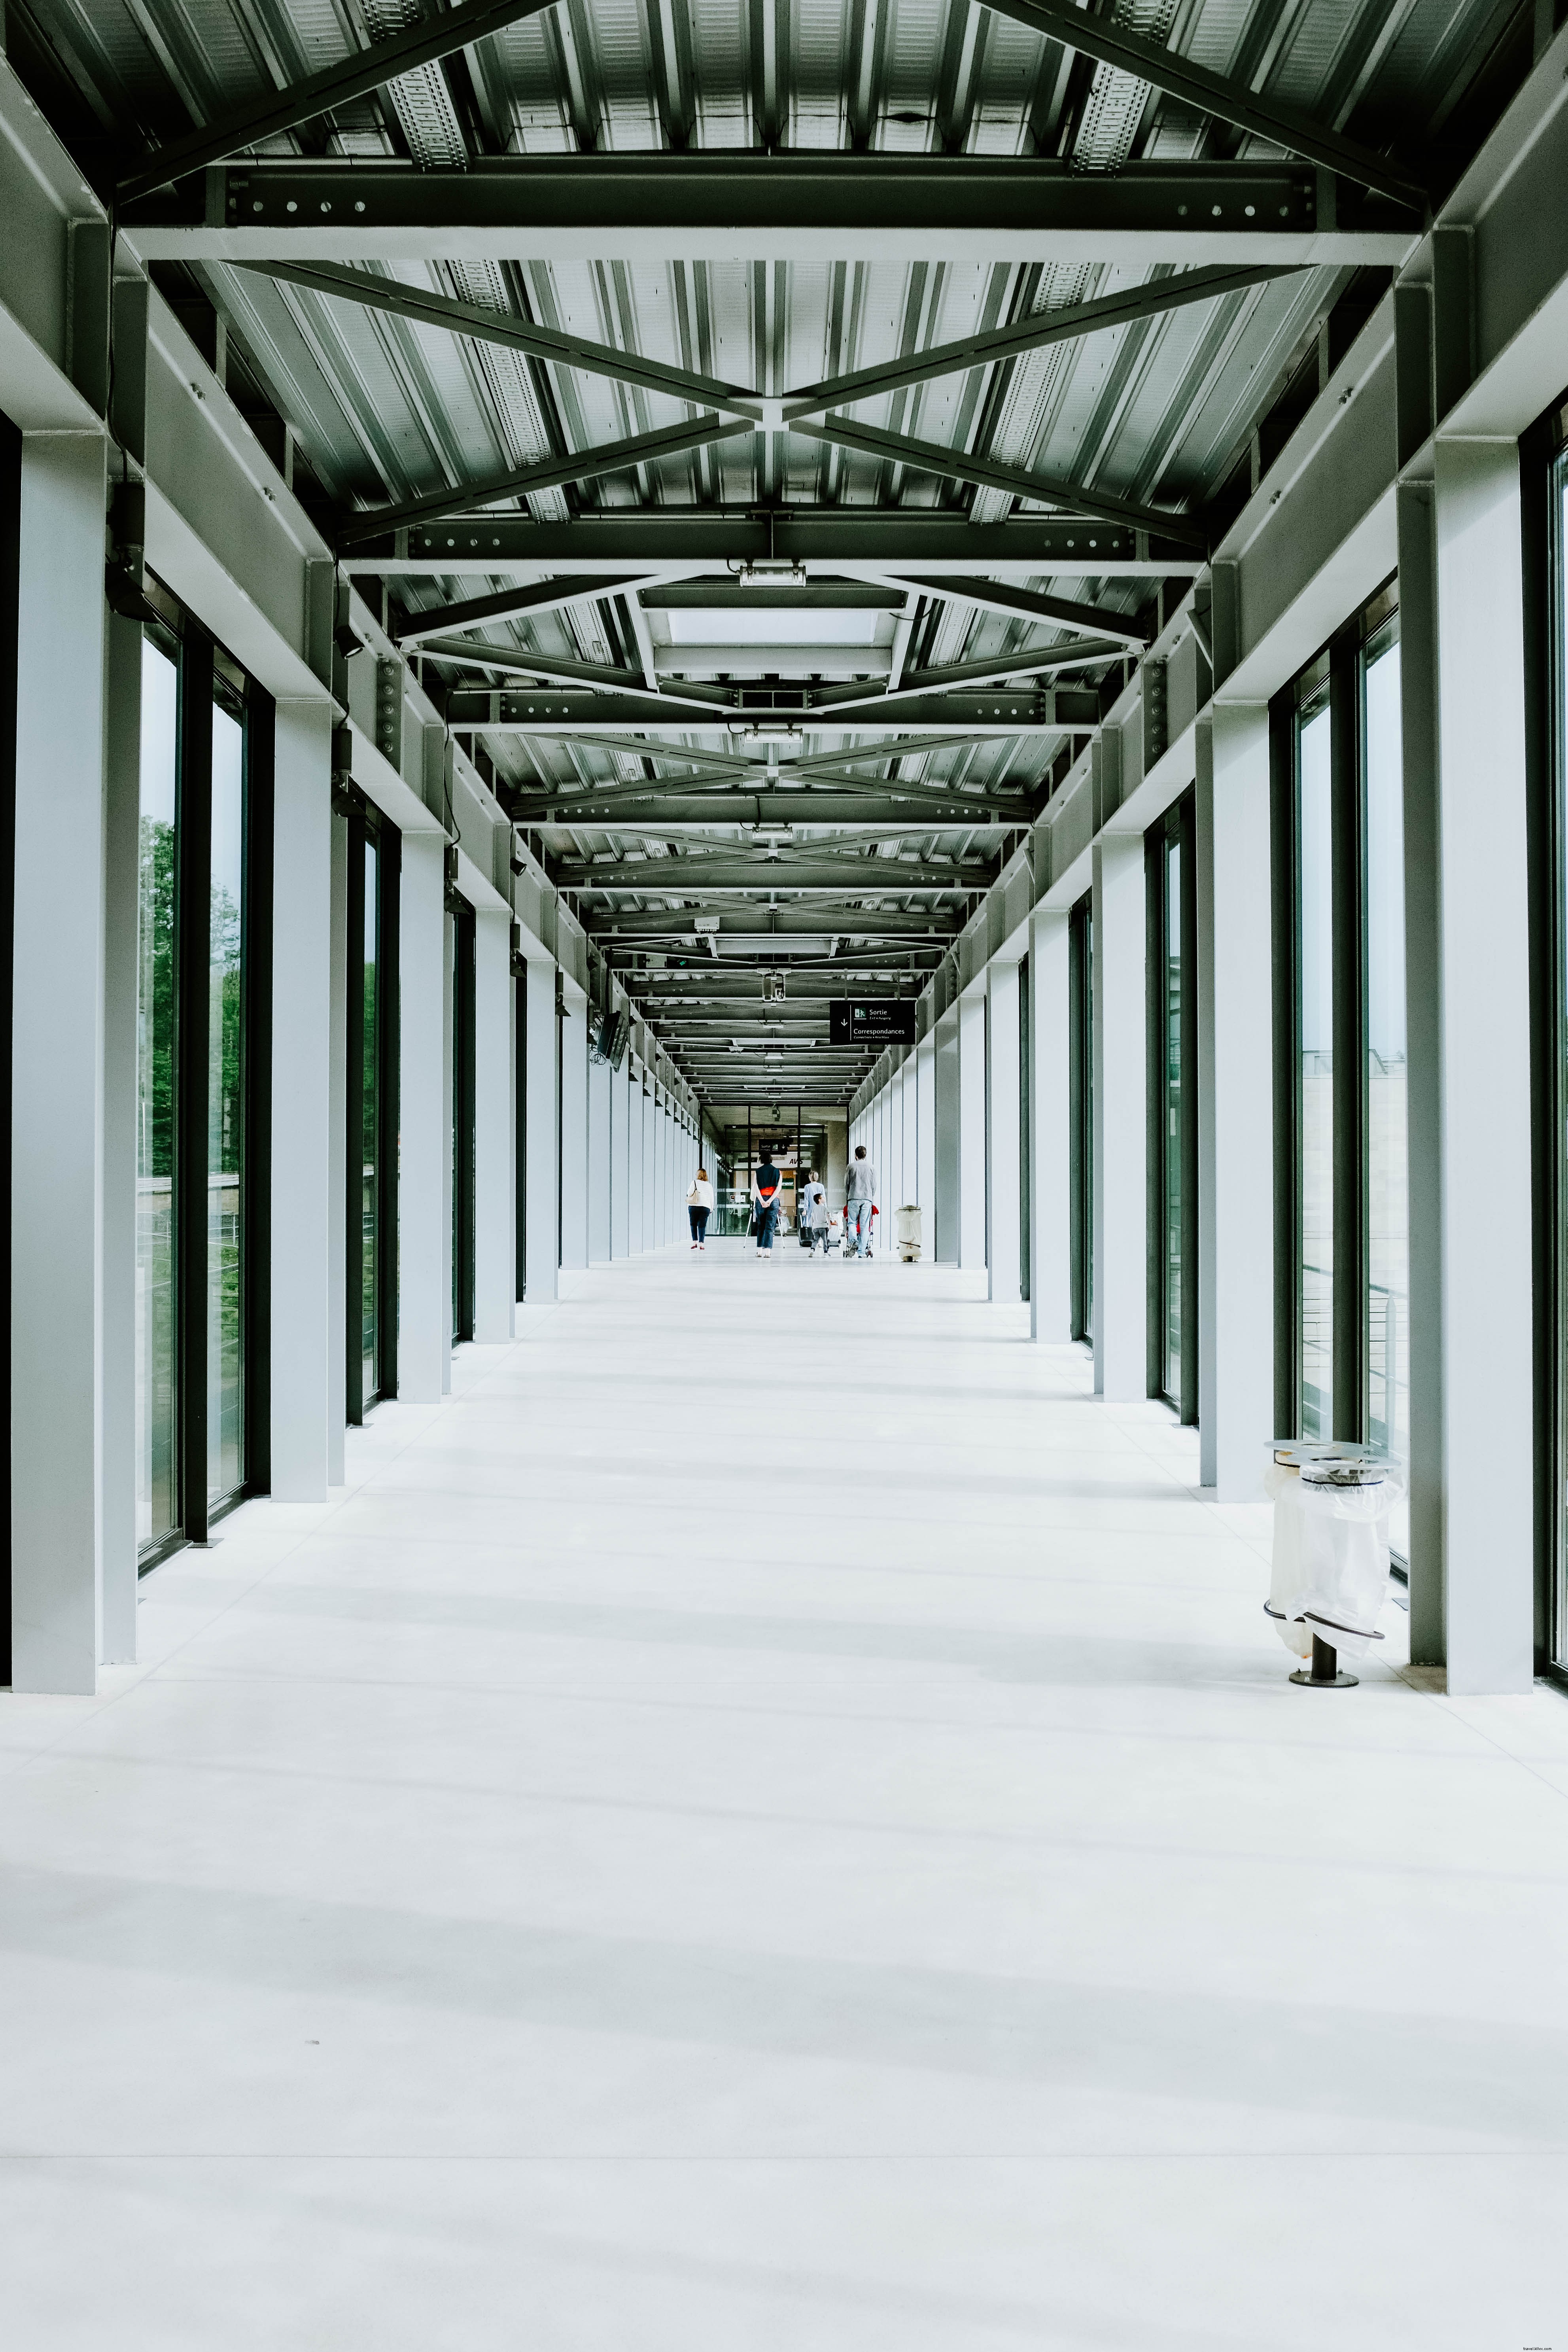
699, 1208
861, 1205
765, 1202
814, 1213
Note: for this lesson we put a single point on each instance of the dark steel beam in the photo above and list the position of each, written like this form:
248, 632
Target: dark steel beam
702, 204
891, 539
1211, 93
1033, 333
1017, 481
1003, 711
970, 673
780, 923
807, 868
642, 813
512, 603
815, 596
544, 474
423, 44
487, 326
477, 654
1028, 603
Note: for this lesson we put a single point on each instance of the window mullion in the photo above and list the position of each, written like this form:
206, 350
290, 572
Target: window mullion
192, 916
1349, 926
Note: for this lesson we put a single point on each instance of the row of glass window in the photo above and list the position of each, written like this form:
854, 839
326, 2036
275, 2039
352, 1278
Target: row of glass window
191, 1272
202, 800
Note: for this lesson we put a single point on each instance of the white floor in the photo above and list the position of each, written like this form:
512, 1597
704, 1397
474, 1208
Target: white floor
771, 1822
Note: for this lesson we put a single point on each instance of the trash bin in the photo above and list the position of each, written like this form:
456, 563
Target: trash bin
1331, 1551
907, 1230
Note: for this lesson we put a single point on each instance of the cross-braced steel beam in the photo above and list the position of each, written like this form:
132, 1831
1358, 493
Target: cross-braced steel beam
422, 43
1211, 93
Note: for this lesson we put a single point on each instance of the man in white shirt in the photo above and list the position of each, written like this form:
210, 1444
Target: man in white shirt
861, 1205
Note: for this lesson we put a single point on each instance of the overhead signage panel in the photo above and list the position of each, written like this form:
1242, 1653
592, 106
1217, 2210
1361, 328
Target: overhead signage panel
890, 1021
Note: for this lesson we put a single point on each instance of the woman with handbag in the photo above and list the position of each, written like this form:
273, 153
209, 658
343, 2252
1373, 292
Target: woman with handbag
699, 1208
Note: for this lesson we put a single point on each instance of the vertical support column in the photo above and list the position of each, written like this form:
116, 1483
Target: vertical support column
620, 1158
1002, 1116
123, 744
56, 1139
657, 1184
337, 1160
972, 1130
1120, 1055
635, 1164
1424, 1054
540, 1160
302, 1200
1235, 1101
424, 1191
1483, 931
948, 1169
575, 1211
925, 1137
599, 1085
1050, 1131
495, 1128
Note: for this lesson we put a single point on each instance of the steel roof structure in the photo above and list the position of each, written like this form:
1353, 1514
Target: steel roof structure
771, 427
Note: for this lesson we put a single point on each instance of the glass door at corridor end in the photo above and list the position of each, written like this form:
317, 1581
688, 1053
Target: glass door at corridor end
1171, 880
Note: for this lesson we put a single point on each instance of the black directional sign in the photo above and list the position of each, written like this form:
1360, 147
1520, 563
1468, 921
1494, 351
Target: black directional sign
889, 1022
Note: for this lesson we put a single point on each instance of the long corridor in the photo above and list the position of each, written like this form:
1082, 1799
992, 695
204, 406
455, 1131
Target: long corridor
772, 1822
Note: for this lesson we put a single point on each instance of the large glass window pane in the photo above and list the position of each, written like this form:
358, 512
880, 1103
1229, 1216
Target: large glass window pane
1315, 1081
1175, 1112
157, 1448
1387, 1175
370, 1123
226, 1352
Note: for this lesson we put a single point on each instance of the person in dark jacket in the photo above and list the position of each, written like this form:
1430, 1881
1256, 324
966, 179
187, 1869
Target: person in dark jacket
765, 1202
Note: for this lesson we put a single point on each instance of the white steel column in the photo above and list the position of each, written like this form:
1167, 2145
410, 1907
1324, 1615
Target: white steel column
575, 1181
1120, 1055
495, 1128
620, 1158
948, 1166
57, 1137
635, 1164
1236, 1103
1484, 928
540, 1226
1002, 1136
425, 1119
338, 1161
302, 1202
599, 1086
972, 1130
660, 1187
1050, 1132
925, 1138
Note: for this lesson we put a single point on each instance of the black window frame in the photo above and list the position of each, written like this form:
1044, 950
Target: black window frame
1080, 1113
1544, 466
10, 683
1338, 663
366, 823
1178, 828
464, 995
204, 669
